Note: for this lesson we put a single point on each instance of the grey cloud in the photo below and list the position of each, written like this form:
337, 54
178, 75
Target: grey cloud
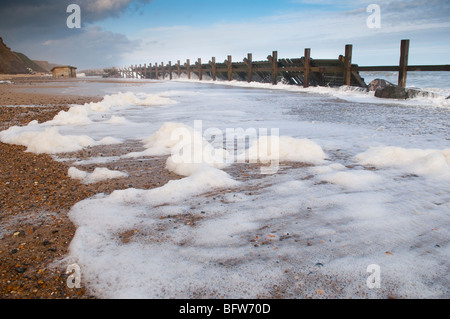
30, 18
91, 48
38, 29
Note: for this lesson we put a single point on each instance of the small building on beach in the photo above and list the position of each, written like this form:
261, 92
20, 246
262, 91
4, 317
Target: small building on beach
66, 71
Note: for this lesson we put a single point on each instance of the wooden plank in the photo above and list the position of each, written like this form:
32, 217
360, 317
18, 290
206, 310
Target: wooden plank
188, 65
274, 67
348, 64
213, 68
163, 71
377, 68
434, 68
170, 70
403, 66
249, 62
200, 70
359, 79
307, 63
230, 68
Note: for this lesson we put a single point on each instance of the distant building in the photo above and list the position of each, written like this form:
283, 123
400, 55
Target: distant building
66, 71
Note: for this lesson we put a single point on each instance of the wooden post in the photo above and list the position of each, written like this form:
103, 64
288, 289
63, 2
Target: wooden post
274, 67
156, 71
145, 70
230, 68
188, 64
250, 67
170, 70
403, 67
213, 69
150, 71
307, 68
163, 71
348, 64
140, 71
179, 68
200, 71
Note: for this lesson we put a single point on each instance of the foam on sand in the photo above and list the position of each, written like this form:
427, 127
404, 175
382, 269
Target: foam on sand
47, 138
429, 163
98, 175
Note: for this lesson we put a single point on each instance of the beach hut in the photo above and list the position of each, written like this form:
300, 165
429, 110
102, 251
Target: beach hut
66, 71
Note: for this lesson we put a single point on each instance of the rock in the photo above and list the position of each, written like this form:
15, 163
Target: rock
378, 84
391, 92
397, 92
448, 98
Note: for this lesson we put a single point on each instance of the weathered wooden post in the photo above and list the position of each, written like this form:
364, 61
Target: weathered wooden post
179, 68
156, 72
188, 65
213, 68
170, 70
348, 64
307, 64
274, 67
140, 71
163, 70
249, 62
200, 70
145, 70
230, 68
403, 67
150, 71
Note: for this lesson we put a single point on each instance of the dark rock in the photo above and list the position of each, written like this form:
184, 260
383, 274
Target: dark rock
378, 84
391, 92
448, 98
397, 92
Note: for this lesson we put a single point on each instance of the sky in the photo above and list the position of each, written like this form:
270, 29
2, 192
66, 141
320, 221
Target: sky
129, 32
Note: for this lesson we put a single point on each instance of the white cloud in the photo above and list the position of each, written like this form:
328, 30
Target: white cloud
326, 33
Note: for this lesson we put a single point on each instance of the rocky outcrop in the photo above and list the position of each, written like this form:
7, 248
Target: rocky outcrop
10, 63
387, 90
399, 93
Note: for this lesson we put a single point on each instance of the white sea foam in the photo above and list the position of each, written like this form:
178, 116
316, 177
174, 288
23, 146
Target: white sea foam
99, 174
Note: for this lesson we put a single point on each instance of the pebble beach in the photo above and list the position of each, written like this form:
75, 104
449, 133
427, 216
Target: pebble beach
36, 194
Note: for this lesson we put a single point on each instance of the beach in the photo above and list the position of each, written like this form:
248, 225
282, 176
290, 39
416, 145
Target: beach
36, 194
89, 177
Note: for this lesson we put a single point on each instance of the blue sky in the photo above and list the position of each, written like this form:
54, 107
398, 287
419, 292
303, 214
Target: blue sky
124, 32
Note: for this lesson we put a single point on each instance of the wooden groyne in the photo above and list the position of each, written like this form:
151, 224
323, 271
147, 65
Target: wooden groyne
304, 71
